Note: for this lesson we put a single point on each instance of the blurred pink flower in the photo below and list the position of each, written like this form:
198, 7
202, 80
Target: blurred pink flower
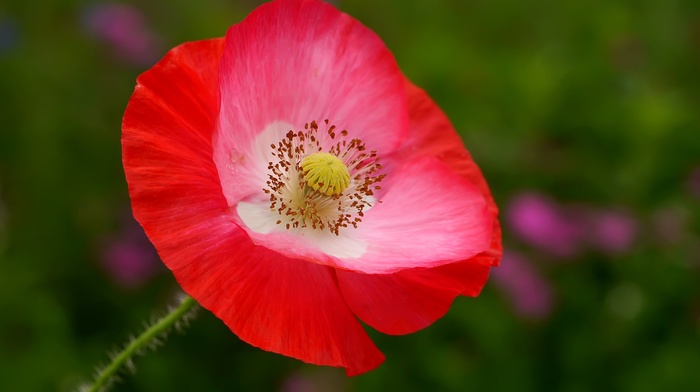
129, 264
317, 380
564, 230
298, 383
128, 256
529, 292
541, 222
611, 231
125, 30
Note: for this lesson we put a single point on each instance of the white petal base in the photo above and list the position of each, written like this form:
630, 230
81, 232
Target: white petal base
261, 225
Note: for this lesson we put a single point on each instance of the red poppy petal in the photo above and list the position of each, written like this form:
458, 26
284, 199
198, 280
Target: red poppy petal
432, 134
291, 62
412, 299
166, 144
283, 305
287, 306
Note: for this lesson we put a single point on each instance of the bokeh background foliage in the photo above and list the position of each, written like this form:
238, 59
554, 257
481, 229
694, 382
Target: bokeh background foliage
582, 114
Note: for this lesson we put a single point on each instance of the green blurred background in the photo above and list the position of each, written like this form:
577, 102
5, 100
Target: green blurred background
582, 114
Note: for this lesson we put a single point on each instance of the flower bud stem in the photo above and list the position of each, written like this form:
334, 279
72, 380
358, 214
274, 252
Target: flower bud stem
148, 337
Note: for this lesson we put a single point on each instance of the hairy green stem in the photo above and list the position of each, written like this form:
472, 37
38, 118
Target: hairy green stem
135, 346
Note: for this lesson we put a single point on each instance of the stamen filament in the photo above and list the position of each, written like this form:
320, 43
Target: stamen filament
313, 186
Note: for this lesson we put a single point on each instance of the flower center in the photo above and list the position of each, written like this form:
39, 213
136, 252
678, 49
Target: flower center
319, 180
325, 173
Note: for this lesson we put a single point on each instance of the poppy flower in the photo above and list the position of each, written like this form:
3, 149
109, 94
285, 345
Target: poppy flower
295, 182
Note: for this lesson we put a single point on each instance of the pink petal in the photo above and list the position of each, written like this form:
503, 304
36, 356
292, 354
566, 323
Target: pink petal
432, 134
412, 299
292, 62
428, 217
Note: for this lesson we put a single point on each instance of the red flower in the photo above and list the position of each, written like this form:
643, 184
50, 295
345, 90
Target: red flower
293, 180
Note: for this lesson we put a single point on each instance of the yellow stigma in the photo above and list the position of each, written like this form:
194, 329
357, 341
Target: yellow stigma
326, 173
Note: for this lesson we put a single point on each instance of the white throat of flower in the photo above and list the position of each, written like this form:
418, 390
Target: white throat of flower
312, 189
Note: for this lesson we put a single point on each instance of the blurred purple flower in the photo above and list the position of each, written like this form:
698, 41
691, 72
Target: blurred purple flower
125, 30
129, 264
529, 292
611, 231
325, 380
539, 221
564, 230
298, 383
9, 34
129, 257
